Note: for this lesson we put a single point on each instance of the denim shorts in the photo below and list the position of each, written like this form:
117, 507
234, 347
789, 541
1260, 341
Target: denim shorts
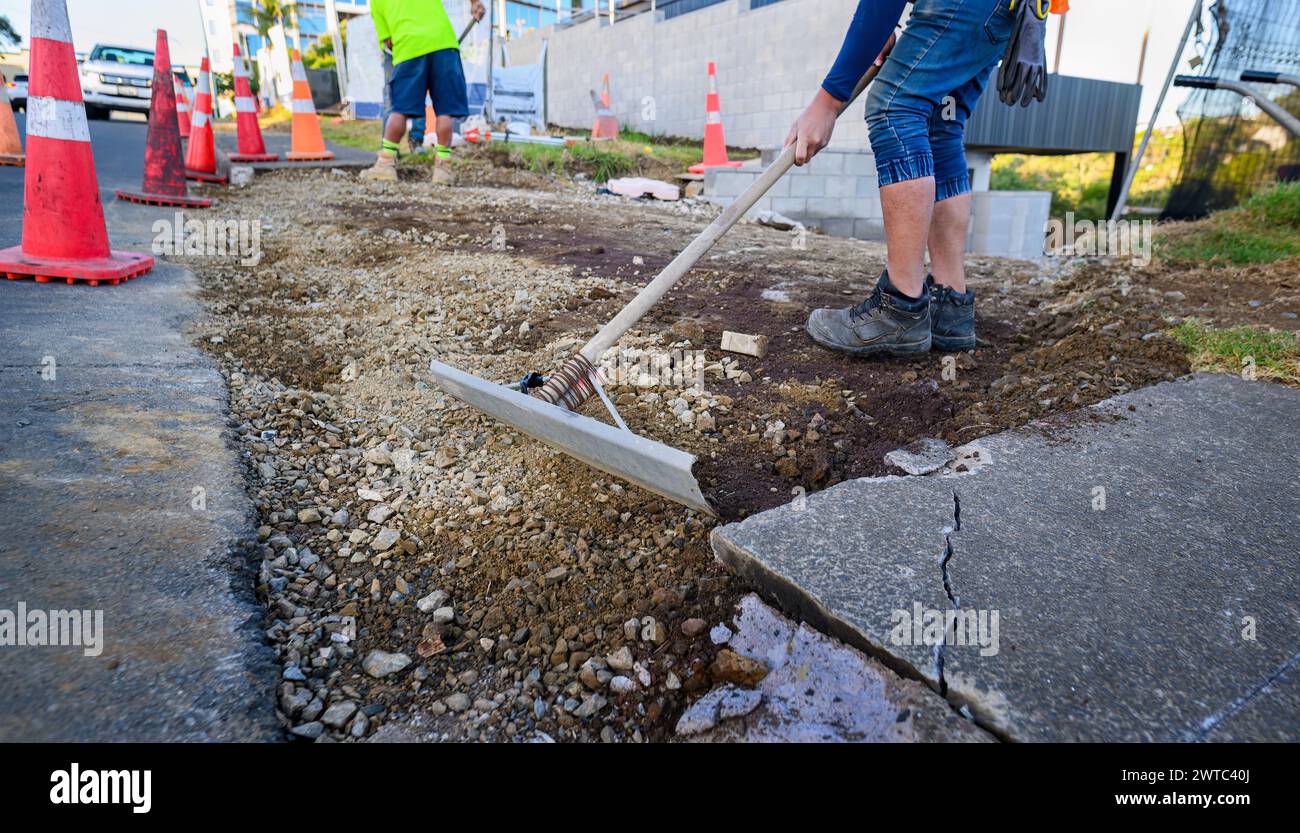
437, 75
919, 104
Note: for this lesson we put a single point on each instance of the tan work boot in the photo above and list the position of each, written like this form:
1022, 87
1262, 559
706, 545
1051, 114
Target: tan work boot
442, 172
385, 169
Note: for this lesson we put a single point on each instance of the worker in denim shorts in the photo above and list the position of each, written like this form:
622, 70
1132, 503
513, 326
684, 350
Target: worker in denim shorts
932, 75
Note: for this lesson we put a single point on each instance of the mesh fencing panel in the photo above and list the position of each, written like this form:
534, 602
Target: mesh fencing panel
1232, 149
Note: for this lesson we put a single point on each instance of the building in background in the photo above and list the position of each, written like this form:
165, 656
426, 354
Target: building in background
226, 22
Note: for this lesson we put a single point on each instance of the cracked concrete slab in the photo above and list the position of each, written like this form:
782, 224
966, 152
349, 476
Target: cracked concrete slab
1141, 567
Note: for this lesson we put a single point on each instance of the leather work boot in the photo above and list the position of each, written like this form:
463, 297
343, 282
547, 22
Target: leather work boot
952, 317
884, 323
385, 169
442, 172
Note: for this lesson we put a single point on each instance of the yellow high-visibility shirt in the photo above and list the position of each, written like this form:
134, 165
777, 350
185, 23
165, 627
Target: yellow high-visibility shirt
416, 27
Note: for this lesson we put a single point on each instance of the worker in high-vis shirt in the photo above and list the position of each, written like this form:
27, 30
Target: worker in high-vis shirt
426, 63
931, 77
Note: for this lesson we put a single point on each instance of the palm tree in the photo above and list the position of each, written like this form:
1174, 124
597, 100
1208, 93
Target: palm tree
267, 14
8, 34
270, 14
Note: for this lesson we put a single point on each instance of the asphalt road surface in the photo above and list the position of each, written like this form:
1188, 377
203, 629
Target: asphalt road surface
119, 162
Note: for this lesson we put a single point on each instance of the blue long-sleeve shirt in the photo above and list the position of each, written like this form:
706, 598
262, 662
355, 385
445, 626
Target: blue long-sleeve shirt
872, 24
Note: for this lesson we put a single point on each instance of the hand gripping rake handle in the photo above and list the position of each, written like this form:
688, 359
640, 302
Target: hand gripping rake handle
684, 262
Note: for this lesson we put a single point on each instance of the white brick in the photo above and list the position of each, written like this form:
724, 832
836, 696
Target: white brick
807, 185
792, 207
841, 186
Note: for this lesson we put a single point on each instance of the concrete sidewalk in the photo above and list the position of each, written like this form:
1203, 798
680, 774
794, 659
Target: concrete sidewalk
1141, 567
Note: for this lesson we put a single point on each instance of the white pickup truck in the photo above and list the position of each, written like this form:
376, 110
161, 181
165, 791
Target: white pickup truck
117, 78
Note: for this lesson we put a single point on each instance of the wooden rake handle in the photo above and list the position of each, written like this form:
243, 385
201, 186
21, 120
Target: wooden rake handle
684, 262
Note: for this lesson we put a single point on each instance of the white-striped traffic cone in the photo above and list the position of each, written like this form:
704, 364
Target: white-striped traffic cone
308, 144
715, 141
201, 155
182, 109
251, 146
64, 236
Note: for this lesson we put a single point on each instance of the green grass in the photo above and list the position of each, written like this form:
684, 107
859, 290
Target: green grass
632, 153
1081, 183
1274, 355
355, 133
600, 162
1263, 229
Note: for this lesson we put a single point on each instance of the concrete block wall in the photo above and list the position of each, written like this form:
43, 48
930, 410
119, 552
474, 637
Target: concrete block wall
771, 60
837, 192
1009, 223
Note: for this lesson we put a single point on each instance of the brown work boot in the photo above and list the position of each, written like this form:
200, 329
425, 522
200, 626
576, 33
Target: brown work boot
442, 172
385, 169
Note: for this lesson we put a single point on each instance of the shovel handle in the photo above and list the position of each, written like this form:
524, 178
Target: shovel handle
684, 262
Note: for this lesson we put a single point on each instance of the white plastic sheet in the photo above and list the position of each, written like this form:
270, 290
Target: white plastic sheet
365, 69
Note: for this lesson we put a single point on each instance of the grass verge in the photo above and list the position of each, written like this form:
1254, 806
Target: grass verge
631, 154
1274, 355
1263, 229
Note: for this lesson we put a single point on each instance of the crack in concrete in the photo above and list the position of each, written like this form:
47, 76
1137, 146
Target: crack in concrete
1212, 722
953, 599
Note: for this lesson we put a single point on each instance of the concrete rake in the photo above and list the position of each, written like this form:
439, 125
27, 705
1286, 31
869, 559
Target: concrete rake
546, 408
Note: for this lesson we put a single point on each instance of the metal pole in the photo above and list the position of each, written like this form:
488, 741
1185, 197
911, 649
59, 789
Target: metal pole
492, 46
1136, 164
340, 61
1267, 105
1142, 58
1060, 42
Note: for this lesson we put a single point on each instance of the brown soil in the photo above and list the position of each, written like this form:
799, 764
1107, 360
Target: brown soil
1033, 359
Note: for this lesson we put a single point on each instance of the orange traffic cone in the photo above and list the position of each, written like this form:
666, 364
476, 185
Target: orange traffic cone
606, 124
182, 110
64, 235
164, 164
715, 142
201, 158
308, 144
11, 147
251, 146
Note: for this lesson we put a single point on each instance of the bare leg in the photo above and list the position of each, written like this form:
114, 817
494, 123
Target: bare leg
396, 128
948, 232
444, 131
908, 207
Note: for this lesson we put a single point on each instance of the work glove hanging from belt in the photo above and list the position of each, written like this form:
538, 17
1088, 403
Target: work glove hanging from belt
1023, 77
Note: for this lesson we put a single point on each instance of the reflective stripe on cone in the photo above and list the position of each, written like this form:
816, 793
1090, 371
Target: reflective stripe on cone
308, 144
251, 146
64, 236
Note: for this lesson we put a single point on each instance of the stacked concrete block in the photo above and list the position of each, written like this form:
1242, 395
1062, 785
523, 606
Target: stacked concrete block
1009, 223
836, 193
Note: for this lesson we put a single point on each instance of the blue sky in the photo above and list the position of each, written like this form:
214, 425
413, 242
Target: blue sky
1103, 37
125, 22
